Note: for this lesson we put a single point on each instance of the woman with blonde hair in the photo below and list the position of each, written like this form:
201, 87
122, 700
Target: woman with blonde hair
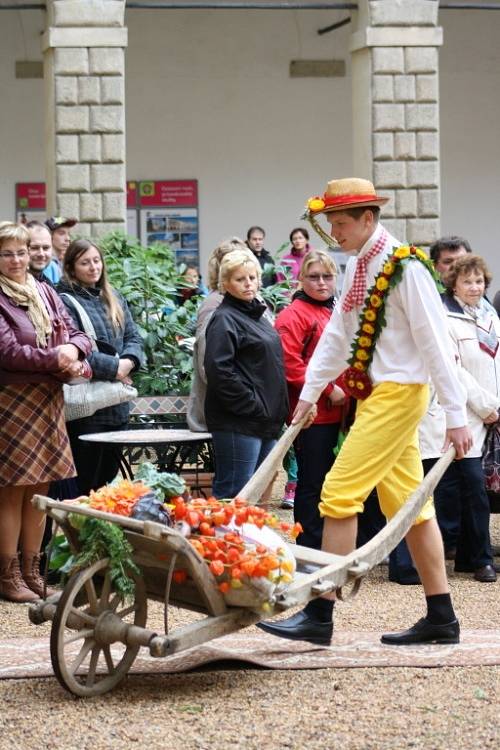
246, 401
119, 353
300, 326
196, 405
40, 348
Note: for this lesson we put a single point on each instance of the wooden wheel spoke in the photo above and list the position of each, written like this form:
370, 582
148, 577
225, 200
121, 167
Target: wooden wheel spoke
106, 590
89, 619
114, 602
92, 595
82, 655
93, 665
127, 611
86, 633
109, 659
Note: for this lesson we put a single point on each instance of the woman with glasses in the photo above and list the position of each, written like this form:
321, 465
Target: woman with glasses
39, 348
300, 326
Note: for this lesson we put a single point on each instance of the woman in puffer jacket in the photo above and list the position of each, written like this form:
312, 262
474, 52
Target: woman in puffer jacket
120, 353
246, 400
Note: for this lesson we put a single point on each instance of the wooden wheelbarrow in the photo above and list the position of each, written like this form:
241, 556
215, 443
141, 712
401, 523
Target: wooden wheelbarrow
96, 636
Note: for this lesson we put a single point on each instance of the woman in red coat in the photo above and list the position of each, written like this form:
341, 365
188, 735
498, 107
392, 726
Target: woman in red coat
300, 326
39, 348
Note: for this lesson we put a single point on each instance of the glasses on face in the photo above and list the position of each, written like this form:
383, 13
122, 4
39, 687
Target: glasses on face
316, 277
13, 256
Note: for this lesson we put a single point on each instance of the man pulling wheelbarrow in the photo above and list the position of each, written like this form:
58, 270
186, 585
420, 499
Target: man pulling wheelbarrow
390, 332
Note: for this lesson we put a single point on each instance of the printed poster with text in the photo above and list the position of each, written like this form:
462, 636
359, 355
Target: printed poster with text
169, 214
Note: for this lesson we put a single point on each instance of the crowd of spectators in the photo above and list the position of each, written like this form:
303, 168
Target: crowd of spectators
248, 371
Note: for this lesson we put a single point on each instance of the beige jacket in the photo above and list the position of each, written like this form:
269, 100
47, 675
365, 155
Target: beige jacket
479, 374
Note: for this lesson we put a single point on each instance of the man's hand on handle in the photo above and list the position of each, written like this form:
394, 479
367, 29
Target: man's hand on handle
303, 408
460, 438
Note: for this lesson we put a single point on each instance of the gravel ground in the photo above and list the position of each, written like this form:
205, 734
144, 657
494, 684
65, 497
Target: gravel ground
351, 709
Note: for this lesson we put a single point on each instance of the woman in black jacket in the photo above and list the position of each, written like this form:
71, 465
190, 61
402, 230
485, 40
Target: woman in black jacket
120, 353
246, 402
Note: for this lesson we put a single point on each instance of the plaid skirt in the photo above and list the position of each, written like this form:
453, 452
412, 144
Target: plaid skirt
34, 444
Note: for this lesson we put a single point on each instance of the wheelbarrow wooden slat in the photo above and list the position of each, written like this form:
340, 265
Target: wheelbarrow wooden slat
99, 621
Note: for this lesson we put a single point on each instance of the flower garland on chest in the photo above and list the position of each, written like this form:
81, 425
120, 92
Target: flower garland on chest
372, 320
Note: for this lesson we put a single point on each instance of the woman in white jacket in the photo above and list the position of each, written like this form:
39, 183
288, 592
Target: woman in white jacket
475, 331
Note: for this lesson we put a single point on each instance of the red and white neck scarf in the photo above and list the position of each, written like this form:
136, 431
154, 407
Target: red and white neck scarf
357, 293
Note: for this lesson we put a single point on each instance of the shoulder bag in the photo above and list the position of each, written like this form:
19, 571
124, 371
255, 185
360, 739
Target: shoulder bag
84, 399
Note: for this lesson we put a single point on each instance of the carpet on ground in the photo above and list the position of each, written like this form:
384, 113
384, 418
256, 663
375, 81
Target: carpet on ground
30, 657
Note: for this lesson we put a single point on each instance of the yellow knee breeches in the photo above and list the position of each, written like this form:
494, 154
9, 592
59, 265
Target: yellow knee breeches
381, 450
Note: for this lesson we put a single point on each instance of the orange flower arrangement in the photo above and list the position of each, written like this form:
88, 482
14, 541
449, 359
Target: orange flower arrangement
118, 498
231, 559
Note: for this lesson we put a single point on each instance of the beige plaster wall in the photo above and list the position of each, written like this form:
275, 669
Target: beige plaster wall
220, 106
208, 96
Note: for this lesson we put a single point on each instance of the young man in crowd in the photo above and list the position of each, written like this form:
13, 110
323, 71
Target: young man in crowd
61, 238
40, 250
381, 449
255, 241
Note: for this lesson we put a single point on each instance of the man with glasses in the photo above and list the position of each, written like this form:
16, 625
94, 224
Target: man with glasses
40, 250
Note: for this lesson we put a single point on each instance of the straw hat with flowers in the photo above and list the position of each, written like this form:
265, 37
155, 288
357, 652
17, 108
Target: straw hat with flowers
348, 192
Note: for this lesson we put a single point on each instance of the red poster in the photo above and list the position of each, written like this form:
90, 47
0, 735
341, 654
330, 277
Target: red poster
30, 195
131, 194
168, 193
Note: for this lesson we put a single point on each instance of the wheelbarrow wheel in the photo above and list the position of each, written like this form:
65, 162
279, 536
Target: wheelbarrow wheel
87, 656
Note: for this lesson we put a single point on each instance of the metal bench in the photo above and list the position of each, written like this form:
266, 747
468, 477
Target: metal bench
194, 461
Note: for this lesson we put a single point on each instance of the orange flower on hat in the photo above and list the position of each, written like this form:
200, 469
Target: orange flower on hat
315, 204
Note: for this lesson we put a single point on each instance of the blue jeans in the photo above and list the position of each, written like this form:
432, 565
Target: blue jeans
237, 457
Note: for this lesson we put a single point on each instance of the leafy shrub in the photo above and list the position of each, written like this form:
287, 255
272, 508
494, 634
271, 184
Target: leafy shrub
148, 279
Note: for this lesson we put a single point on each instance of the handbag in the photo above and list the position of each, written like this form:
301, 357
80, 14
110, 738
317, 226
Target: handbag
491, 459
84, 399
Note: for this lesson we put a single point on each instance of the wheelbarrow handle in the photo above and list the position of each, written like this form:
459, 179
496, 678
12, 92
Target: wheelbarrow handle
257, 484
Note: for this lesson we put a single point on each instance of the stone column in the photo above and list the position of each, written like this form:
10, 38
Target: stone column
84, 47
394, 49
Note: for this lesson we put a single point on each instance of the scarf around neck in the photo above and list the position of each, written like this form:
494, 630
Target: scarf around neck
357, 293
27, 295
483, 316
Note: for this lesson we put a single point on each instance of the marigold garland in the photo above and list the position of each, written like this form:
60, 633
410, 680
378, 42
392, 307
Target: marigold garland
357, 382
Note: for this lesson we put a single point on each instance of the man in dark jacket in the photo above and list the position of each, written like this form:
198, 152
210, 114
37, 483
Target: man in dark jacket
255, 241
